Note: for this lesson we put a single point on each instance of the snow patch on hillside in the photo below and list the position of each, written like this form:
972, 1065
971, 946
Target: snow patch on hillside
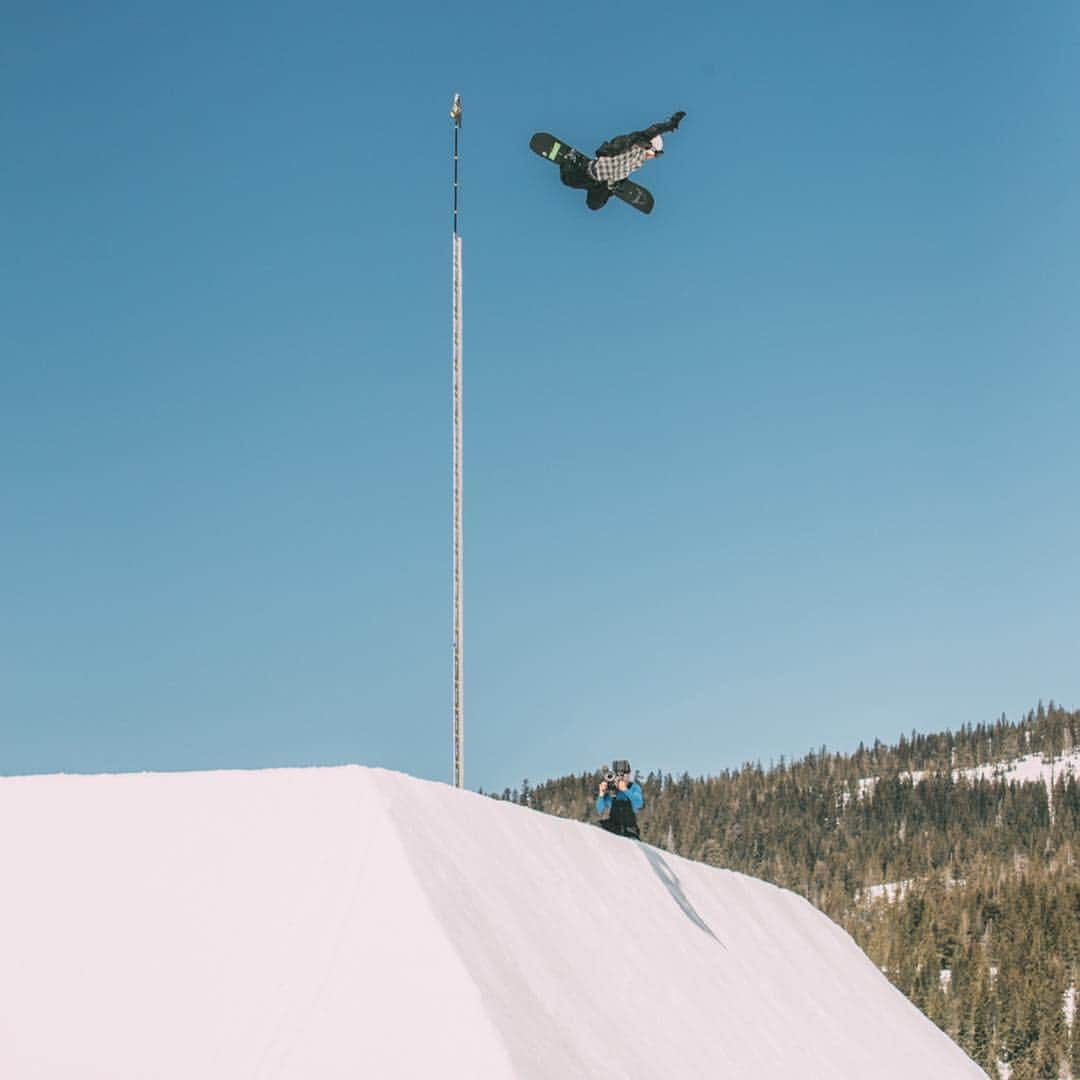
890, 891
1031, 769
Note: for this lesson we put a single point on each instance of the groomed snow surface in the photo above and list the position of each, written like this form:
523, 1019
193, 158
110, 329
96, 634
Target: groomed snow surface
351, 922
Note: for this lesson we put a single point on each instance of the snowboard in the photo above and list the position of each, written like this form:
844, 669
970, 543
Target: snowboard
547, 146
616, 830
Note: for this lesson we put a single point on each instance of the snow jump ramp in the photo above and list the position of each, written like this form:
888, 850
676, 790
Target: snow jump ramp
352, 922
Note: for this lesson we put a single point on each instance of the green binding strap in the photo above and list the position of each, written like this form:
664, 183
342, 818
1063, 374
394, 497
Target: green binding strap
555, 151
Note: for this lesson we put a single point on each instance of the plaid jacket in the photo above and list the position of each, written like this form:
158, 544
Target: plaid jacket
619, 166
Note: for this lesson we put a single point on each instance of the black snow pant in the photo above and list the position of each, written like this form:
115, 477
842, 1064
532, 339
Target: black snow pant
622, 820
596, 192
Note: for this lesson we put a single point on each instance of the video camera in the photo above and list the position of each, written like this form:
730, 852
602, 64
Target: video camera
617, 770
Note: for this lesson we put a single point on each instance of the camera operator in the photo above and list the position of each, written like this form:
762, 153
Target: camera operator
620, 796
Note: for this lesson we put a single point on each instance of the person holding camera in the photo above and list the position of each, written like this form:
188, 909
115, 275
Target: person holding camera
620, 797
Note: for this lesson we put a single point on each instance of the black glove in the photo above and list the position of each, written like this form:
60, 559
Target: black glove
675, 120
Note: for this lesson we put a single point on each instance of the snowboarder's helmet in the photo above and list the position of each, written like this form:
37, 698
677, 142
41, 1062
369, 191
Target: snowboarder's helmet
657, 142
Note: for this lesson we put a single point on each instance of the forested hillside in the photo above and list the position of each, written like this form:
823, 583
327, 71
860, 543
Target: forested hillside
962, 886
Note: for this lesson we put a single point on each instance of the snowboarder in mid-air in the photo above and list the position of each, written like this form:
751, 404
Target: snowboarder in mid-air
616, 159
609, 172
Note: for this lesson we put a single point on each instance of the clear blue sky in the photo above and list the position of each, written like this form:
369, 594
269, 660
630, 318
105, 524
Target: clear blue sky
794, 461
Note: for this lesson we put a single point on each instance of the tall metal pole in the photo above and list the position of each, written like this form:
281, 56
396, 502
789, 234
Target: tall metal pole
459, 718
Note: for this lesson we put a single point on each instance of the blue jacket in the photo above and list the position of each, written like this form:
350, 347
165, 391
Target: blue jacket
633, 793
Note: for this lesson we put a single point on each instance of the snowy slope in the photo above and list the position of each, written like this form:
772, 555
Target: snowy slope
354, 922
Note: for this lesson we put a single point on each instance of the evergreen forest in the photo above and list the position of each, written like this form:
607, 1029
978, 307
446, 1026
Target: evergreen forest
963, 889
